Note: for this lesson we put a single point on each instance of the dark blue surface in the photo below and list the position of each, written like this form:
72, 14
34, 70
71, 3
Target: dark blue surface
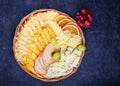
101, 63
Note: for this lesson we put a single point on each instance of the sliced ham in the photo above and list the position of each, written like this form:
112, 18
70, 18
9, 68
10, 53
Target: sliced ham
40, 58
39, 68
47, 54
44, 62
45, 59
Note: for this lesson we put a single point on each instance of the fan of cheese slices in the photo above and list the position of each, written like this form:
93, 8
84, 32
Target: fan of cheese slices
34, 33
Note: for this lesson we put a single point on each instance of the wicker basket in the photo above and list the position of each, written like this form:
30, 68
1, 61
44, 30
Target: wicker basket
18, 29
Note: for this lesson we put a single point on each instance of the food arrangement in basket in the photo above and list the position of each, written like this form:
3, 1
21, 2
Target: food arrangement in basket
48, 45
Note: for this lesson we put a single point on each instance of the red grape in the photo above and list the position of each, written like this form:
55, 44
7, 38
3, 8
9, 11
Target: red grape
90, 17
88, 23
84, 18
84, 11
78, 14
77, 17
81, 23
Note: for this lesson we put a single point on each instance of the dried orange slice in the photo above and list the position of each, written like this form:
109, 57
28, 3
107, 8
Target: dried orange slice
72, 28
72, 23
63, 22
59, 17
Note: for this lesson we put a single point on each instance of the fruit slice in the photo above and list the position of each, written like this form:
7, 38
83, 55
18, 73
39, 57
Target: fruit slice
72, 23
59, 17
63, 22
72, 28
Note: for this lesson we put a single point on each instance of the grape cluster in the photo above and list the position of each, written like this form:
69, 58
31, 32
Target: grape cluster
84, 18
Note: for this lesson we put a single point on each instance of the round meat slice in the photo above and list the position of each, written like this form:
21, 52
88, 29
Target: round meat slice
40, 58
44, 62
38, 68
47, 54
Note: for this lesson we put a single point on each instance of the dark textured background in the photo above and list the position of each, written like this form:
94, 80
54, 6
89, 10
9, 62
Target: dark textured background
101, 63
